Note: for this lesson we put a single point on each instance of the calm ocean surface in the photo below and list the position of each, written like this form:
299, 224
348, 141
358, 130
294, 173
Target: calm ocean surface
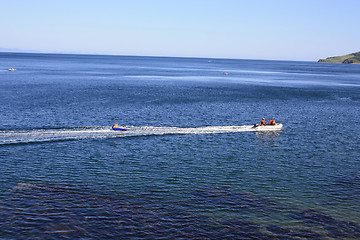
188, 167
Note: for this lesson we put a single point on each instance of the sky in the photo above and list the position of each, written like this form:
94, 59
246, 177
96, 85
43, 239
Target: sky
296, 30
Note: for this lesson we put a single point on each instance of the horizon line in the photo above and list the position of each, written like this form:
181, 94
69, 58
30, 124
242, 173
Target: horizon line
131, 55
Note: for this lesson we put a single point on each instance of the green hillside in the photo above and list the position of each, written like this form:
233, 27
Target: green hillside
350, 58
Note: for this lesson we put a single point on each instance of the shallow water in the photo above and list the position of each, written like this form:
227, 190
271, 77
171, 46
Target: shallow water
190, 165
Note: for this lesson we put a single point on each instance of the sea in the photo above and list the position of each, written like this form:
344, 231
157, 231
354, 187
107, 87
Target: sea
190, 165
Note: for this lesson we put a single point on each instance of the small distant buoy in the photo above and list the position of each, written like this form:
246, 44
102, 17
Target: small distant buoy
225, 73
12, 69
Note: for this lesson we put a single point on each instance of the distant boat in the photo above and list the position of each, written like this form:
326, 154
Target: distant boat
225, 73
12, 69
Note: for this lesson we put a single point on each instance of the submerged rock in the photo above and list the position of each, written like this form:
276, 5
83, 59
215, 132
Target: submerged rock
335, 227
237, 200
58, 211
286, 233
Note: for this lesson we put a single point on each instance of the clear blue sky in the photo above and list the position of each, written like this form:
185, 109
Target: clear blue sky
256, 29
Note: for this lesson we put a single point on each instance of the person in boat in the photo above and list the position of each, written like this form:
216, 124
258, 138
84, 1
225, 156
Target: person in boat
115, 126
262, 122
272, 122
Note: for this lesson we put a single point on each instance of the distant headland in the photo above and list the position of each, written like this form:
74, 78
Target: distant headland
350, 58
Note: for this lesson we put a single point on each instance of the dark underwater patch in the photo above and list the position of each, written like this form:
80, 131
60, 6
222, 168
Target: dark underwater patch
40, 211
335, 228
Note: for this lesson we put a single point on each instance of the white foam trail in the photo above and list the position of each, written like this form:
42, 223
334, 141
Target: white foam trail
44, 135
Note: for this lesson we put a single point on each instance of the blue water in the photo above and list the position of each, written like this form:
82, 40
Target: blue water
190, 165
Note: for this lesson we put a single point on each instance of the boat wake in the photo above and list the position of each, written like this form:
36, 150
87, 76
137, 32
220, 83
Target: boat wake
63, 134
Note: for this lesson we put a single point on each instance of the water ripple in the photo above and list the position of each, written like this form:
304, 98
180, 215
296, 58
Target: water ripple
57, 211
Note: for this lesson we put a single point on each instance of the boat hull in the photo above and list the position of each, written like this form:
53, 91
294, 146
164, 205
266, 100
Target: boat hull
276, 127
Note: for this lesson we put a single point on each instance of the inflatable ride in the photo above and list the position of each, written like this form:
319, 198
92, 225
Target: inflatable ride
116, 127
